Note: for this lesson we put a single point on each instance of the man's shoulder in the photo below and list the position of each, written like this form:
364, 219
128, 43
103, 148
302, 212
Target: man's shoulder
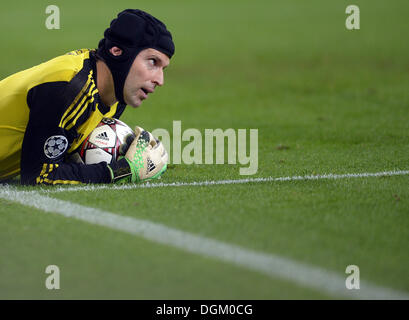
65, 67
62, 68
72, 73
84, 53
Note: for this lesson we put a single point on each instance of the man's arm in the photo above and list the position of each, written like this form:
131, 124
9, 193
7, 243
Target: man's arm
42, 160
45, 144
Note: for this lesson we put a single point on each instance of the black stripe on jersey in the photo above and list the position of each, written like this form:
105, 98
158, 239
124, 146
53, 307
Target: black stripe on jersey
102, 107
76, 86
77, 83
78, 102
47, 102
86, 101
119, 110
93, 62
86, 114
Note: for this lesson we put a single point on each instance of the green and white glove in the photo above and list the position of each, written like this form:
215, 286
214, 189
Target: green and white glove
145, 159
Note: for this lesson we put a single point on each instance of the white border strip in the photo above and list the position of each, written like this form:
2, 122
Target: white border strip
221, 182
268, 264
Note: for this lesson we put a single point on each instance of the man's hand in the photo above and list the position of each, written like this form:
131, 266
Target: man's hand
146, 156
145, 159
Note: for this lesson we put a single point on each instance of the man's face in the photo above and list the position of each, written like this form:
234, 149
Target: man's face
145, 74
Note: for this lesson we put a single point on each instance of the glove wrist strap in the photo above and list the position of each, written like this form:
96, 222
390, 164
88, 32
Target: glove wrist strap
121, 171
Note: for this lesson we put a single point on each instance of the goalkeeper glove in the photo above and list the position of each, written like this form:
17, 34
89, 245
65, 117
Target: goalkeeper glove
145, 159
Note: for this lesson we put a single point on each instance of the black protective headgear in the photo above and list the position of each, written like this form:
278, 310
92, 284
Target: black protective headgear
132, 31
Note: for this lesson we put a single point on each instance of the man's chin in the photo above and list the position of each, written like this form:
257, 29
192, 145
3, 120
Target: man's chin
134, 104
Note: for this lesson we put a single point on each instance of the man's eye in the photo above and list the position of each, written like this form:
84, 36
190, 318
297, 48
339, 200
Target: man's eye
152, 61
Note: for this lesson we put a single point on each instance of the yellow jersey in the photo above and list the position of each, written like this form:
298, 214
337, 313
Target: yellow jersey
54, 102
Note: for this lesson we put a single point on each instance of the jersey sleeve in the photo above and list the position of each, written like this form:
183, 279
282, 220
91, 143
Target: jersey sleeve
45, 144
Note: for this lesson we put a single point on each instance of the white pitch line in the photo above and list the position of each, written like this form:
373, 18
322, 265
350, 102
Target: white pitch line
222, 182
269, 264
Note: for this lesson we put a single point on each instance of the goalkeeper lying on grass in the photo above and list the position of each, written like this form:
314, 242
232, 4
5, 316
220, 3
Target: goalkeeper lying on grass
65, 98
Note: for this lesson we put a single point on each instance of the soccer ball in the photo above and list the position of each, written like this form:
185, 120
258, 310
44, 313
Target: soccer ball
104, 142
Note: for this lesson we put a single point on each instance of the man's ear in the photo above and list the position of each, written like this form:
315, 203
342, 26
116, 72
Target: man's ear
115, 51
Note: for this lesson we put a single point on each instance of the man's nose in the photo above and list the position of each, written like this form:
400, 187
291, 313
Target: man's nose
159, 79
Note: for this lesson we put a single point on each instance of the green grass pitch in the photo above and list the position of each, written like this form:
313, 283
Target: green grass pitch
325, 100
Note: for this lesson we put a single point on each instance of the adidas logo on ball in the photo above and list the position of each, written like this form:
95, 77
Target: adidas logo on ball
103, 143
102, 136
